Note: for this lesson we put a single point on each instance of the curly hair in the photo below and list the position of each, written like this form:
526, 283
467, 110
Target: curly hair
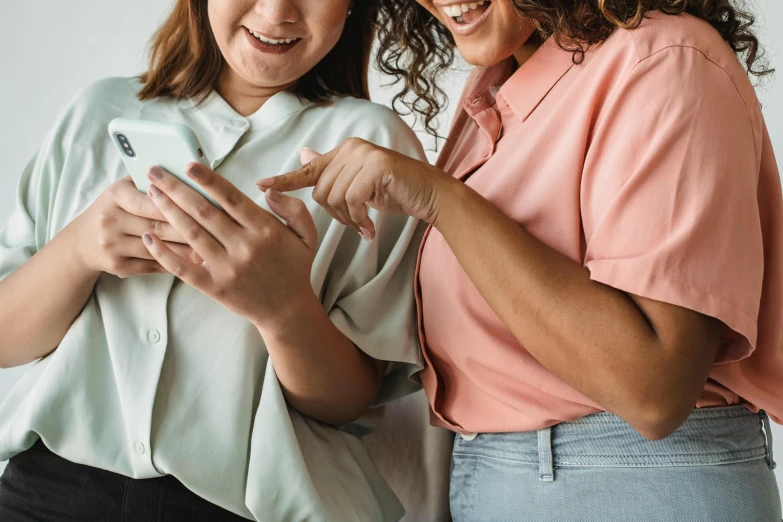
416, 49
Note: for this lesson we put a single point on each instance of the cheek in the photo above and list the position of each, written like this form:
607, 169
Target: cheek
327, 27
218, 12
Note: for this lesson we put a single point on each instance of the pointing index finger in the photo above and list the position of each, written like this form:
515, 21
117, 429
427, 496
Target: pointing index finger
305, 176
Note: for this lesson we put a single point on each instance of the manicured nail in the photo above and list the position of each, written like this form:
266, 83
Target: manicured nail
275, 196
307, 155
147, 239
156, 173
194, 171
264, 184
155, 191
366, 234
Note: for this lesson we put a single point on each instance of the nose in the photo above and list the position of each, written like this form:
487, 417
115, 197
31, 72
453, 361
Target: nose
278, 12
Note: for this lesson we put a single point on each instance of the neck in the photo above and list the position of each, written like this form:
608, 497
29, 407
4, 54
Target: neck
524, 53
244, 97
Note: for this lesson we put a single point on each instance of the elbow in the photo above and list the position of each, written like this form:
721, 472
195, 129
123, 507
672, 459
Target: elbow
657, 419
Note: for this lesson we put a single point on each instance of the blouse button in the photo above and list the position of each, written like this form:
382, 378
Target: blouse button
239, 123
154, 336
139, 447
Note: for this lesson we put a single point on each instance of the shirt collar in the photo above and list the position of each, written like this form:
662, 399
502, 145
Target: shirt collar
219, 113
526, 87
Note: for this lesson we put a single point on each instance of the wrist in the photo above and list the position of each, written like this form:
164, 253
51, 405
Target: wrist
448, 194
294, 311
71, 257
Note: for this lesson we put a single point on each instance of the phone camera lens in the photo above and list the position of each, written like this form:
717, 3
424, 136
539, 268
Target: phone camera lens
126, 146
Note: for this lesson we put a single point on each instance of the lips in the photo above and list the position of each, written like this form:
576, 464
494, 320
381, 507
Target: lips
467, 13
269, 45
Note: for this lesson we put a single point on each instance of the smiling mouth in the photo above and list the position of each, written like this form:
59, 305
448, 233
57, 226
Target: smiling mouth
464, 14
272, 41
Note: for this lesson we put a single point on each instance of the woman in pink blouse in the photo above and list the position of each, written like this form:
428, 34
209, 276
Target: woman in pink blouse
601, 286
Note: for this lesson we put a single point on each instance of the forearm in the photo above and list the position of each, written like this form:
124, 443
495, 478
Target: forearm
592, 336
41, 300
323, 374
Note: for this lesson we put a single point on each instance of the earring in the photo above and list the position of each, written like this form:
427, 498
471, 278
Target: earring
349, 12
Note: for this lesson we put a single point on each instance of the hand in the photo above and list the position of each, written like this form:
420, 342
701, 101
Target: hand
357, 174
253, 265
108, 234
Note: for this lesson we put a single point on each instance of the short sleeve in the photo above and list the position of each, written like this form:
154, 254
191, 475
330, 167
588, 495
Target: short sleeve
375, 307
27, 229
669, 194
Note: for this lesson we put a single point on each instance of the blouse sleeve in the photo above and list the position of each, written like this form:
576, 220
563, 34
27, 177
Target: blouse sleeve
373, 301
27, 229
669, 194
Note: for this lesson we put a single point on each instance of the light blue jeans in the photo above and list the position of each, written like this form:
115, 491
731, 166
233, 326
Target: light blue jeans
716, 467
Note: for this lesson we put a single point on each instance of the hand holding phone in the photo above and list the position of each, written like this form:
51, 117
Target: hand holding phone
146, 144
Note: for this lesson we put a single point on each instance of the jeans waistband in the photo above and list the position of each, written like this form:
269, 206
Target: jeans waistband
710, 436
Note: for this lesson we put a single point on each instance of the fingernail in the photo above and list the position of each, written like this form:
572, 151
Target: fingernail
275, 196
156, 173
366, 234
194, 171
307, 155
147, 239
264, 184
155, 191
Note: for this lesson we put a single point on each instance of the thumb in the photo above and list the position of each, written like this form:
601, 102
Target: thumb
296, 216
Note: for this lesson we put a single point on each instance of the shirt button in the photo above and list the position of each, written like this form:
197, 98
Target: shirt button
239, 123
139, 447
468, 436
154, 336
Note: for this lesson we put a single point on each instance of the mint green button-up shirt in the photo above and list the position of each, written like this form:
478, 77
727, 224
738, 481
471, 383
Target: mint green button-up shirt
154, 378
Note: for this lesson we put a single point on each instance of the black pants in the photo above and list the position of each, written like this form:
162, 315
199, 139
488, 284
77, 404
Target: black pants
40, 486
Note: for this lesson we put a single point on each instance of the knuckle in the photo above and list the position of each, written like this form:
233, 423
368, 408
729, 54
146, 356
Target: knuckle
352, 198
335, 201
376, 156
320, 196
354, 142
232, 275
106, 244
159, 228
117, 265
233, 200
114, 188
139, 202
204, 210
105, 220
193, 233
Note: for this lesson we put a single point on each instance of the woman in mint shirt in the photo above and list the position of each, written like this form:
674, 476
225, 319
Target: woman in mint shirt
221, 388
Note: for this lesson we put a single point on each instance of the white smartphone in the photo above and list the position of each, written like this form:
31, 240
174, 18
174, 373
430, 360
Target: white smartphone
146, 144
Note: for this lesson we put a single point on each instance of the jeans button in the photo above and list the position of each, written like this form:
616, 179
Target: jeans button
468, 436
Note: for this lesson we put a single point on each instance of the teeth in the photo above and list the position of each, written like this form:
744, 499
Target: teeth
271, 40
456, 10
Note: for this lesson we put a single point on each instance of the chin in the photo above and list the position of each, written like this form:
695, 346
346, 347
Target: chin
482, 58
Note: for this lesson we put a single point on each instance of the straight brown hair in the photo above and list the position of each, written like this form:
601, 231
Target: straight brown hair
185, 61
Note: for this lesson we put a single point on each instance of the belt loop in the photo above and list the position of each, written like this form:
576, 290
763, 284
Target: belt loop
545, 464
767, 428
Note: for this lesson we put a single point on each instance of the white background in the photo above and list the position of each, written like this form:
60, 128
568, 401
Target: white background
49, 50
